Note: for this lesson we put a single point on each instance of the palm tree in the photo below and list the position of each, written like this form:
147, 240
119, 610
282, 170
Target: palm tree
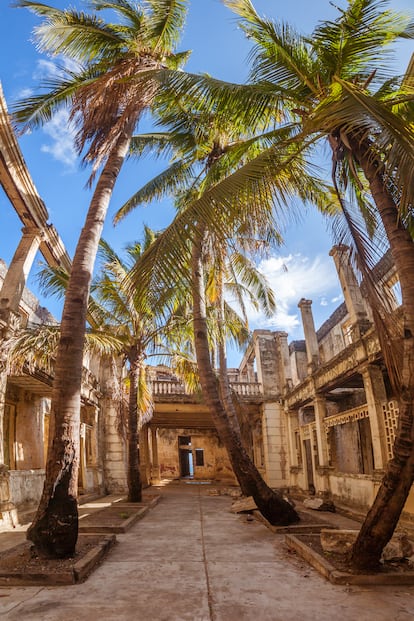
106, 95
143, 330
334, 86
123, 326
204, 153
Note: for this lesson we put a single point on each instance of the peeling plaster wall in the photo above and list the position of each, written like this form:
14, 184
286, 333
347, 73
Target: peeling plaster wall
216, 463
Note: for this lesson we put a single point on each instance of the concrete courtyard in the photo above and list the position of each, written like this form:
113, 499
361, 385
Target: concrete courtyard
191, 559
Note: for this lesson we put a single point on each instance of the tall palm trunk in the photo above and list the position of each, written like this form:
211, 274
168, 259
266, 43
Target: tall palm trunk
383, 516
134, 478
54, 530
224, 384
272, 506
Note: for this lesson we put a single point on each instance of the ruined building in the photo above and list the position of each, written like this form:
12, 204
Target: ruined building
317, 416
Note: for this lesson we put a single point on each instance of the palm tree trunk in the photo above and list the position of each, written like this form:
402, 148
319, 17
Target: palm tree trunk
383, 516
272, 506
134, 478
224, 384
54, 530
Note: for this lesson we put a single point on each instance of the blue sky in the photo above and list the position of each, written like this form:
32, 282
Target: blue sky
220, 49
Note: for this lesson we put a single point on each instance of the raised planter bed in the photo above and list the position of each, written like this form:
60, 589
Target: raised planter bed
118, 518
333, 568
19, 566
308, 524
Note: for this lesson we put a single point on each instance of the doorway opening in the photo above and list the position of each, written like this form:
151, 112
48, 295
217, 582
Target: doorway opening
185, 456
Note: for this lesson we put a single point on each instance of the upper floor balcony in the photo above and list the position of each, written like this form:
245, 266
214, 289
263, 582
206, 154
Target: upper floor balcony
173, 389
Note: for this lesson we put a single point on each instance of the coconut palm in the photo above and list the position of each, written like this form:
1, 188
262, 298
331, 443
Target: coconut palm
124, 326
106, 94
204, 152
142, 330
335, 86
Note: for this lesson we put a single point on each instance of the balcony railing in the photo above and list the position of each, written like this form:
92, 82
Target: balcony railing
173, 387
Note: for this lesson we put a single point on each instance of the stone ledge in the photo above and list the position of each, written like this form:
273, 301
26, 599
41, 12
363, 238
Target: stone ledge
117, 518
308, 526
326, 569
49, 573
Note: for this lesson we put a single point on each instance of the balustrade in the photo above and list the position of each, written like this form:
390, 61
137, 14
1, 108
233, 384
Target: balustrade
172, 387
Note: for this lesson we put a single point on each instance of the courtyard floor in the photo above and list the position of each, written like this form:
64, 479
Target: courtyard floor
191, 559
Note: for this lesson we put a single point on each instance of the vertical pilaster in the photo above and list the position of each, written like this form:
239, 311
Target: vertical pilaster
155, 466
274, 444
322, 468
376, 395
292, 425
319, 403
144, 456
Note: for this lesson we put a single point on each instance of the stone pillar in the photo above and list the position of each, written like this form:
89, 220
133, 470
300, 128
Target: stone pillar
292, 421
16, 277
3, 388
10, 298
268, 363
155, 466
292, 425
284, 359
112, 434
311, 341
144, 457
274, 445
250, 374
322, 468
319, 403
29, 433
376, 395
352, 291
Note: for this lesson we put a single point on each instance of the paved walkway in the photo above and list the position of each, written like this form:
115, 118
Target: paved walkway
191, 559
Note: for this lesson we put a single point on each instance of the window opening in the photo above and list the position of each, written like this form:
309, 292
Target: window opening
199, 457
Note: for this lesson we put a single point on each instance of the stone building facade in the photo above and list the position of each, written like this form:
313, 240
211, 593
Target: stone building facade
317, 416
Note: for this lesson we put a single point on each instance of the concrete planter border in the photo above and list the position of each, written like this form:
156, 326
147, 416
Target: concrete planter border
326, 569
77, 574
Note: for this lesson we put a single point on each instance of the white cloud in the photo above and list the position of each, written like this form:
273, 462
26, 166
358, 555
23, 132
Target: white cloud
62, 134
294, 277
59, 130
25, 93
46, 69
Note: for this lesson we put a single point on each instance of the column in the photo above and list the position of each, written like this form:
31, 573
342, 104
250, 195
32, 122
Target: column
292, 420
274, 444
376, 395
10, 297
155, 467
268, 362
285, 369
311, 340
319, 403
16, 277
144, 457
351, 289
322, 468
112, 431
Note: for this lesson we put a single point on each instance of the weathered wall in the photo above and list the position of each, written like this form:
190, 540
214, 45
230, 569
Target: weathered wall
26, 486
355, 490
216, 463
